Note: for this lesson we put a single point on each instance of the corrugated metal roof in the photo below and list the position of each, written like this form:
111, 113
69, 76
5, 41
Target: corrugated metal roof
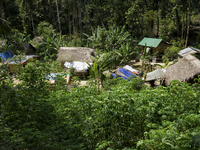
188, 50
150, 42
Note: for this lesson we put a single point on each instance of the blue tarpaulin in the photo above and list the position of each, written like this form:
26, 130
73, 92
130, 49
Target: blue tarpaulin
126, 73
6, 55
115, 75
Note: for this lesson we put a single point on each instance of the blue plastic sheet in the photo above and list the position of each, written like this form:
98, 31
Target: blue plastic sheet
126, 73
115, 76
6, 55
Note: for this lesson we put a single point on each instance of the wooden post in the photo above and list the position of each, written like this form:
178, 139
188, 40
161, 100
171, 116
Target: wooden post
62, 65
11, 68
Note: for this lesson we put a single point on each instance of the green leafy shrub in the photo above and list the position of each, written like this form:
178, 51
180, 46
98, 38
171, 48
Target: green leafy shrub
108, 40
48, 48
45, 29
123, 115
15, 41
172, 51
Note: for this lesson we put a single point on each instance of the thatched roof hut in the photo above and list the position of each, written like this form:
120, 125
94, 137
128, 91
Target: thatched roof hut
186, 69
70, 54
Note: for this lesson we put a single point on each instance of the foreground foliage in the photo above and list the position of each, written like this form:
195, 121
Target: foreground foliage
123, 115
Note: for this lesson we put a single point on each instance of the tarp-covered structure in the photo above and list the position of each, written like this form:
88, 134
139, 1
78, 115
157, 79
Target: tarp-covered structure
4, 56
21, 59
12, 60
188, 50
124, 74
186, 69
81, 66
156, 74
129, 68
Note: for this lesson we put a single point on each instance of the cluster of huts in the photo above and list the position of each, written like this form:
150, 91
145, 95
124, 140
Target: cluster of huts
186, 69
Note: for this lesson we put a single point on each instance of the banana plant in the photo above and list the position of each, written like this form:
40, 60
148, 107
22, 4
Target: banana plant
125, 53
105, 40
96, 70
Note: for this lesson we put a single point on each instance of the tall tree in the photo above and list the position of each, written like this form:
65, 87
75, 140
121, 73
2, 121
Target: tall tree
79, 17
59, 25
28, 4
85, 3
188, 28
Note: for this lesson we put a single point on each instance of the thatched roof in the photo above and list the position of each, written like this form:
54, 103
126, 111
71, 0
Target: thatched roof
185, 69
69, 54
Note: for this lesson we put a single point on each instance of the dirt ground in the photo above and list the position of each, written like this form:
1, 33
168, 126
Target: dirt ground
137, 64
82, 83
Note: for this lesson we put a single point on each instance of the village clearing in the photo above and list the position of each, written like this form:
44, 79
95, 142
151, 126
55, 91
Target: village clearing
132, 63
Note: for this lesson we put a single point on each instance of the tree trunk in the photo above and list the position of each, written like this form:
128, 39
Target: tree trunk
142, 20
1, 14
70, 27
85, 3
73, 18
188, 28
157, 24
59, 25
31, 8
32, 23
79, 18
182, 29
177, 22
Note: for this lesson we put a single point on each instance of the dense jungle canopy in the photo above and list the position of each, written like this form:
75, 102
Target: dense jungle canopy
142, 18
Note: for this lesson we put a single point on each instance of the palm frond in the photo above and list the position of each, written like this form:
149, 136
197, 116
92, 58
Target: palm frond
4, 27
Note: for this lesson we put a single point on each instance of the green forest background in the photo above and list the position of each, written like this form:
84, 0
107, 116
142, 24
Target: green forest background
142, 18
120, 115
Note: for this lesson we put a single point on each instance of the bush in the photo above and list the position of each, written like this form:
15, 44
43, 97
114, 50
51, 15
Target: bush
172, 51
45, 29
48, 48
124, 115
